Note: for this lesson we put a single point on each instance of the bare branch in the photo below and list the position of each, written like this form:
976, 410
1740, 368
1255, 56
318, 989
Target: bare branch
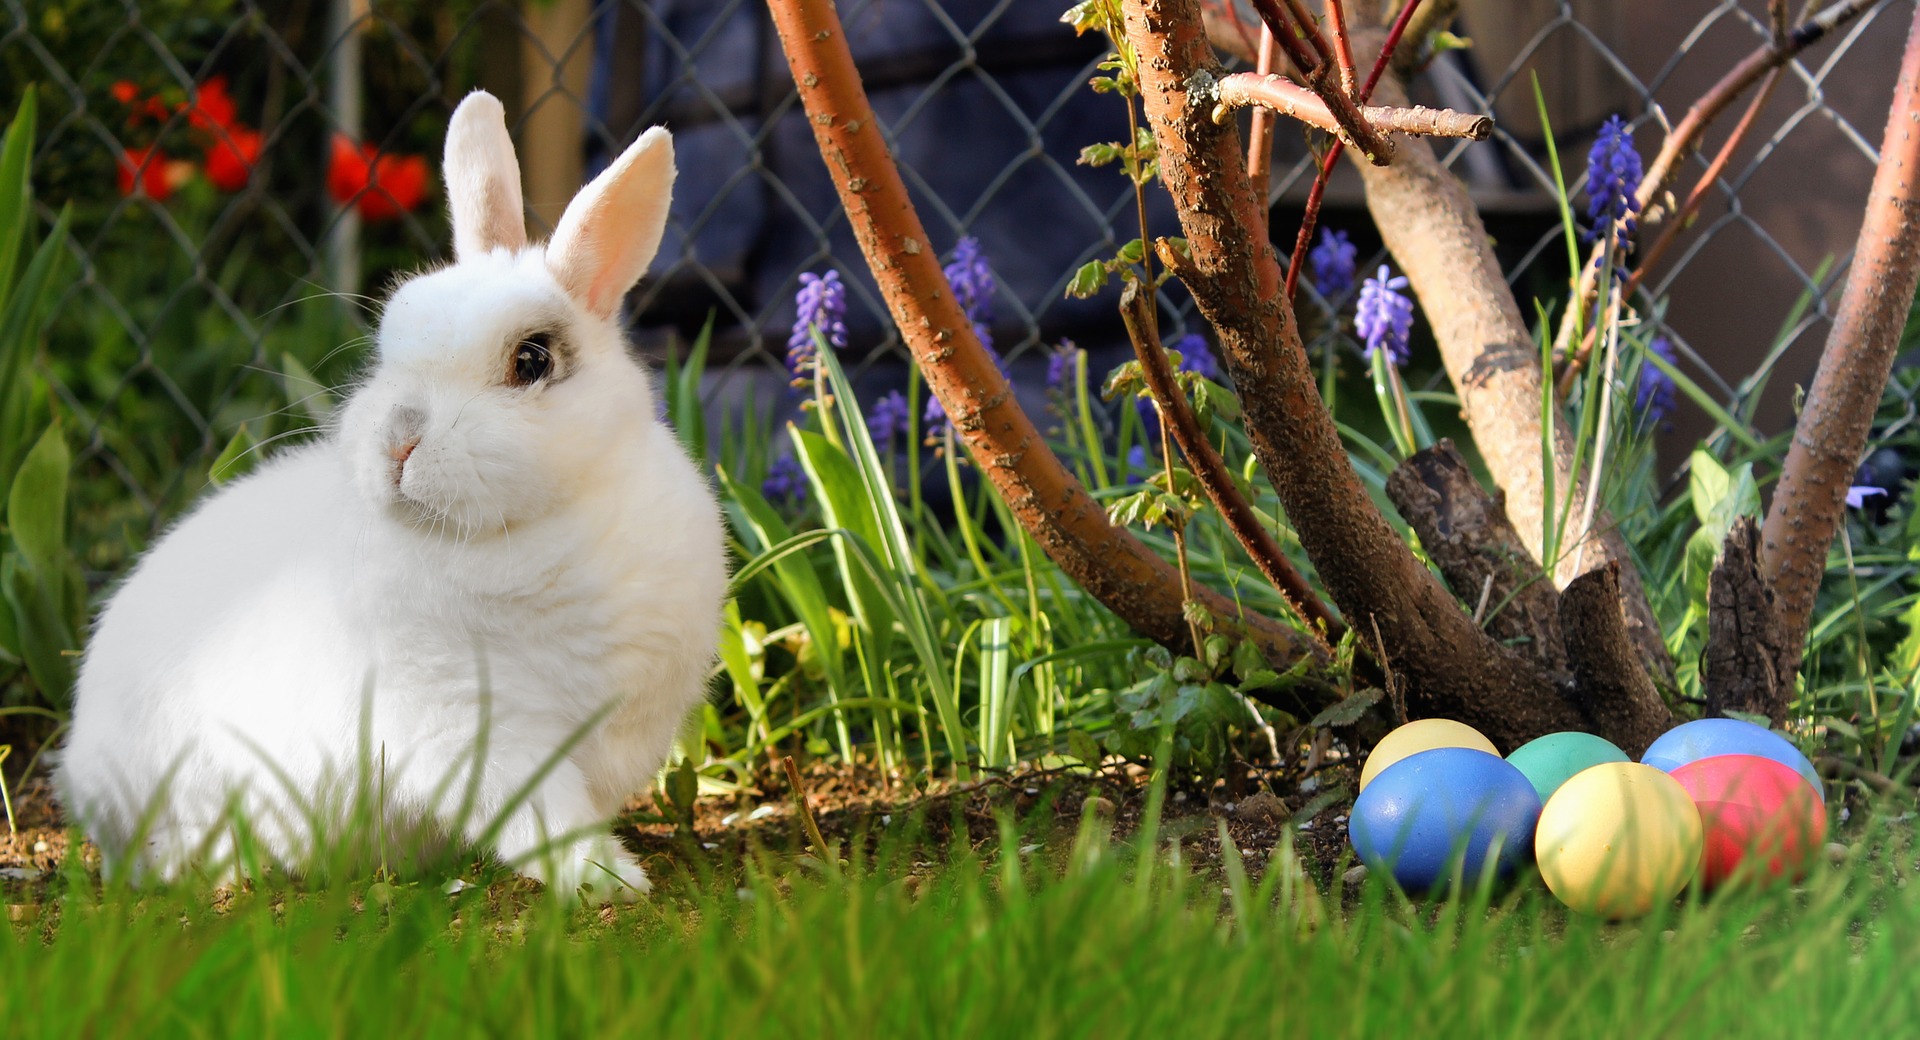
1686, 135
1112, 565
1211, 471
1434, 231
1452, 667
1301, 49
1288, 98
1810, 500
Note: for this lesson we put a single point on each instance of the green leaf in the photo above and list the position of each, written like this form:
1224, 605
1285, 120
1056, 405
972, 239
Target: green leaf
1099, 154
16, 186
683, 393
1703, 548
1089, 279
43, 634
1132, 252
1348, 711
235, 460
1083, 747
843, 499
1709, 482
21, 323
37, 506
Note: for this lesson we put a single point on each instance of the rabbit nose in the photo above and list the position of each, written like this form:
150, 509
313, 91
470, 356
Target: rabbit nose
403, 435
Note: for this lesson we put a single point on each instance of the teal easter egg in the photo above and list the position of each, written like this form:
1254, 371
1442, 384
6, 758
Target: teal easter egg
1552, 760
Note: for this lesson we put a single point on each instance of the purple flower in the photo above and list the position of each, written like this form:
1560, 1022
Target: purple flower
888, 419
1139, 463
1149, 419
1062, 363
1384, 317
1197, 357
1655, 396
1332, 259
973, 285
934, 420
822, 304
1858, 494
785, 482
1613, 178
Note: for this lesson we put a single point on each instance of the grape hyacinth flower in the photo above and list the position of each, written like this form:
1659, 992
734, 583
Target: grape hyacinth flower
1197, 357
1384, 317
934, 420
973, 284
1613, 179
785, 482
822, 305
1139, 463
1062, 363
1858, 494
888, 419
1332, 259
1654, 398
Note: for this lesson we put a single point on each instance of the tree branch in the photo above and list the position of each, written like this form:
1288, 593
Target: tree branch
1810, 501
1611, 687
1466, 533
1434, 231
1211, 471
1686, 135
1309, 53
1747, 665
1112, 565
1452, 667
1288, 98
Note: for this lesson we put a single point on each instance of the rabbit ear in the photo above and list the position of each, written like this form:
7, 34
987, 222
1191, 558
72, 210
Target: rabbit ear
483, 179
612, 229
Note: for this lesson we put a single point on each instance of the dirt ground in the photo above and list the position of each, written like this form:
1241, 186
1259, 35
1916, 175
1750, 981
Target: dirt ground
859, 810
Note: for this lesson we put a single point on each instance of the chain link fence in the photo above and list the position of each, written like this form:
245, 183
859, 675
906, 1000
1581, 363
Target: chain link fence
244, 177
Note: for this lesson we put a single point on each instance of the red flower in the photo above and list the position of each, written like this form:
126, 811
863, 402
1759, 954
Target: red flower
128, 94
149, 171
232, 156
211, 107
381, 187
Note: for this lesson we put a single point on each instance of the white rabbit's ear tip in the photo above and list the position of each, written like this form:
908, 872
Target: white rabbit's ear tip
483, 178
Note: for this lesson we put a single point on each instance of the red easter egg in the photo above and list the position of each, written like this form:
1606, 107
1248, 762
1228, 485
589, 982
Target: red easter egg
1754, 806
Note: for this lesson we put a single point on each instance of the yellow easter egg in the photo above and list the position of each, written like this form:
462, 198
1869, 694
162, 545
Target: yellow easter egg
1422, 735
1618, 839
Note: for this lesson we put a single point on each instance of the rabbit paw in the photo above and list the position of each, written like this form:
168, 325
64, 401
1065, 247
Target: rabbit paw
596, 870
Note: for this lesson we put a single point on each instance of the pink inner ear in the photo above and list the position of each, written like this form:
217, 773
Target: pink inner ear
612, 229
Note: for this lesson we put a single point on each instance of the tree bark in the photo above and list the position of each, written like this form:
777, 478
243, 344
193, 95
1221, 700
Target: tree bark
1433, 230
1610, 688
1046, 499
1466, 533
1810, 501
1452, 667
1749, 663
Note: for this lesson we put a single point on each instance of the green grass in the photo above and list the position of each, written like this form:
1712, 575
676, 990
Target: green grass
1070, 939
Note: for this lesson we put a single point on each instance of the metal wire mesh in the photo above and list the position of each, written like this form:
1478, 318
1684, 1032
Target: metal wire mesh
206, 290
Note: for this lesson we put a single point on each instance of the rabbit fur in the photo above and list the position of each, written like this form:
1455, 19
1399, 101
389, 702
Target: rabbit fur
471, 573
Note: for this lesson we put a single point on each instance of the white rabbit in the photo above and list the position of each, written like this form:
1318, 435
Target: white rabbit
496, 549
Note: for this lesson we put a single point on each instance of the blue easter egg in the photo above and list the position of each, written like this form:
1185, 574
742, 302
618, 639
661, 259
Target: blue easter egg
1443, 809
1705, 738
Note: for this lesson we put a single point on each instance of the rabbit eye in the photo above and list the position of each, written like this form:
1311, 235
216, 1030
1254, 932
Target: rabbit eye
532, 359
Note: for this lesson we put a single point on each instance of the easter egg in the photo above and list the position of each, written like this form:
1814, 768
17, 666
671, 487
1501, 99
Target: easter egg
1550, 760
1618, 839
1704, 738
1422, 735
1753, 808
1442, 814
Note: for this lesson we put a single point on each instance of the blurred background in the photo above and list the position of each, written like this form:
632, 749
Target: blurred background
245, 178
